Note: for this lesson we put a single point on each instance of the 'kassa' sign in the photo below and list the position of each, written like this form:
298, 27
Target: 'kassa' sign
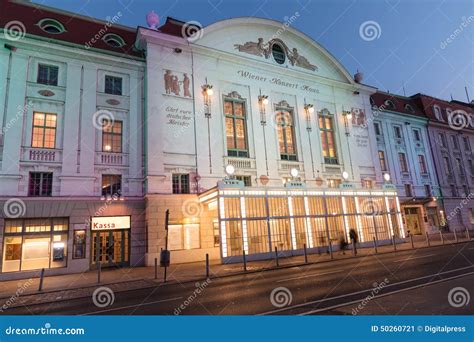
110, 222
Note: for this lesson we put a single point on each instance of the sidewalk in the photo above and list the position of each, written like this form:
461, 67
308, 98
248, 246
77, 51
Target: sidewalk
64, 287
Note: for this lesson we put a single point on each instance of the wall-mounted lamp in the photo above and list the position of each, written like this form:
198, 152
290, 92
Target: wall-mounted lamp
346, 116
207, 93
345, 175
386, 177
262, 102
230, 170
294, 173
309, 109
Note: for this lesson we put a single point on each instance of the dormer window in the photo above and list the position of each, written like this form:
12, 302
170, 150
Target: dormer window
437, 112
409, 108
448, 113
113, 40
51, 26
389, 104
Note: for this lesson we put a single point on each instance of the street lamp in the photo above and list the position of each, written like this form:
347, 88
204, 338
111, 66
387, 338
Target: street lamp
230, 170
262, 102
309, 109
207, 93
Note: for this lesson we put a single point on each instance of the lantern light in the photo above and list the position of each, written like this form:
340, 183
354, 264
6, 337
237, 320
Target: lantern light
209, 91
294, 172
265, 101
311, 110
386, 176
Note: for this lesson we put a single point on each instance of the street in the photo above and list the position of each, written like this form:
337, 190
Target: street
312, 289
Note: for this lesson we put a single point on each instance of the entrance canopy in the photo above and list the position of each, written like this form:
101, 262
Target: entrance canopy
258, 220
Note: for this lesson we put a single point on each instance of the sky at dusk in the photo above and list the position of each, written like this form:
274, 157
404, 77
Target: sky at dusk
408, 46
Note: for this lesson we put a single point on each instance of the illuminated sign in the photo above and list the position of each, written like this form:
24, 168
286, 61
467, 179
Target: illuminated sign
110, 222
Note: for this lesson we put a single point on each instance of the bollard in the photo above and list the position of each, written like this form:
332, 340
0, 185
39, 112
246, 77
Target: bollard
411, 239
156, 268
467, 235
353, 247
428, 239
330, 249
394, 244
375, 245
276, 256
207, 265
99, 269
442, 237
41, 280
305, 254
245, 261
455, 236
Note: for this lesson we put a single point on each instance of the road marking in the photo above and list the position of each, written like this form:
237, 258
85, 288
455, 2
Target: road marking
418, 257
132, 306
307, 276
385, 294
359, 292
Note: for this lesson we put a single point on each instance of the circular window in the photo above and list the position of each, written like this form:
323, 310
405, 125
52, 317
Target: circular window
114, 40
278, 53
51, 26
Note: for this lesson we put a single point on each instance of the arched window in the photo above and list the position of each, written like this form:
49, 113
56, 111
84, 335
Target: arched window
326, 127
236, 126
437, 112
409, 108
51, 26
278, 53
113, 40
284, 120
389, 104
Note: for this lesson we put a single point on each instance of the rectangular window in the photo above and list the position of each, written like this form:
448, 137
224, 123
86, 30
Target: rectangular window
236, 128
408, 190
79, 244
447, 165
397, 131
442, 140
183, 236
454, 190
112, 185
466, 190
367, 183
422, 163
44, 130
416, 135
471, 215
467, 145
47, 74
428, 192
286, 135
403, 162
37, 243
113, 85
180, 183
471, 166
383, 163
460, 166
334, 183
112, 136
40, 184
326, 127
217, 234
455, 141
246, 179
378, 129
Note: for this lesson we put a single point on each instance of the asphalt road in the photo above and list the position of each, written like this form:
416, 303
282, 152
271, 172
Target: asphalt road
336, 287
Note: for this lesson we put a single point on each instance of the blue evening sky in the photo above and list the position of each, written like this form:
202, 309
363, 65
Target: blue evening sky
411, 50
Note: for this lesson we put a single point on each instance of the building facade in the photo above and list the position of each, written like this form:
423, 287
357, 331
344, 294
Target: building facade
451, 134
275, 107
404, 152
71, 149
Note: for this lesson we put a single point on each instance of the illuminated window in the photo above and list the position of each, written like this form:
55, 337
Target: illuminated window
112, 136
40, 184
403, 162
79, 244
183, 236
246, 179
326, 127
286, 134
422, 163
334, 183
113, 85
111, 185
383, 163
236, 127
44, 130
48, 74
216, 231
180, 183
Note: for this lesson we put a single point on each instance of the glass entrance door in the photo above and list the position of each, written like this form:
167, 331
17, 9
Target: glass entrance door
110, 248
413, 220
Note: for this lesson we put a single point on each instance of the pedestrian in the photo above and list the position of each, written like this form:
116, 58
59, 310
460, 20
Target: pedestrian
354, 238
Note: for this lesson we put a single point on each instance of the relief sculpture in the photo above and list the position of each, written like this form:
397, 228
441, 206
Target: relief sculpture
175, 86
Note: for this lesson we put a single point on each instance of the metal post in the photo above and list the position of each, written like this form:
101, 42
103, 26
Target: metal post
330, 249
156, 268
394, 244
245, 261
455, 236
276, 256
99, 269
207, 265
41, 280
353, 247
428, 239
467, 234
305, 254
167, 219
442, 237
375, 245
411, 239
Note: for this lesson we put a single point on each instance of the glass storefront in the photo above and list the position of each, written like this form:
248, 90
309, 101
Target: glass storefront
31, 244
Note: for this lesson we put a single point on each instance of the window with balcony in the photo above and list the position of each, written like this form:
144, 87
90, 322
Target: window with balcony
422, 163
403, 162
48, 74
44, 130
383, 163
180, 183
236, 127
111, 185
326, 127
286, 134
40, 184
112, 136
113, 85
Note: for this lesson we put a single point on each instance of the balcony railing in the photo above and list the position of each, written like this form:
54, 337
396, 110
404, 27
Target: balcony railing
240, 163
285, 165
41, 155
111, 158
